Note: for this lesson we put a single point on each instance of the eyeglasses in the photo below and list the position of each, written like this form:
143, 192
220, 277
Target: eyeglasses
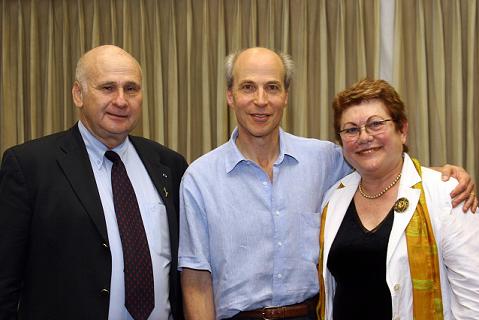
373, 127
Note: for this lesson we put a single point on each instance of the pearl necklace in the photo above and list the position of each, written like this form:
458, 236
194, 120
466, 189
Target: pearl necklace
367, 196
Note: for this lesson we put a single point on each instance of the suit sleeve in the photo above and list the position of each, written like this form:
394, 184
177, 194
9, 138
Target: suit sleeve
15, 217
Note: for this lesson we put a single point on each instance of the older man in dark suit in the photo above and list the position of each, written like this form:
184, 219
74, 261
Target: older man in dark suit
88, 216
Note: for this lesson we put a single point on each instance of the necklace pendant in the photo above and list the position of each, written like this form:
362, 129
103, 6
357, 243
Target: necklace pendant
401, 205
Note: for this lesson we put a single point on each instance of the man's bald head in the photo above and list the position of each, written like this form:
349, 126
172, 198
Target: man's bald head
97, 56
108, 94
285, 59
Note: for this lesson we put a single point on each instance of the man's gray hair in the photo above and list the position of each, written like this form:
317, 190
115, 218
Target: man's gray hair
80, 73
286, 59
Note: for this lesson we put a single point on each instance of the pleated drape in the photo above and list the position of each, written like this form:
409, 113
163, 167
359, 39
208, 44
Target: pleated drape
181, 45
436, 72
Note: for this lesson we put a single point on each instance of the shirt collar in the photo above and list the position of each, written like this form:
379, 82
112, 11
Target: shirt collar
96, 149
234, 155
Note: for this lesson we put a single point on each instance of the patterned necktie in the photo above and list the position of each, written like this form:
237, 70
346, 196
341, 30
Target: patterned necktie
138, 272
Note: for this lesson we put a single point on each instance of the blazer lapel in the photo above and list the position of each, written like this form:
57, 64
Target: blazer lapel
158, 172
409, 177
342, 197
161, 177
74, 161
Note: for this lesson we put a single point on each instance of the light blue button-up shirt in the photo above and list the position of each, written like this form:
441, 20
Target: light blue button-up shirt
155, 222
259, 239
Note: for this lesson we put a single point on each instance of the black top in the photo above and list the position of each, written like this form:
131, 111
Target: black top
357, 261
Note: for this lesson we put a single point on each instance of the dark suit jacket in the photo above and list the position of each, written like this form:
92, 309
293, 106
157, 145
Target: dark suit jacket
55, 261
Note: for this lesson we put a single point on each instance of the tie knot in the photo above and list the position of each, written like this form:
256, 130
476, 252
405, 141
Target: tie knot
112, 156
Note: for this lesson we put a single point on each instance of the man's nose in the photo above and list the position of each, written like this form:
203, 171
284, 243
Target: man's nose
261, 97
119, 99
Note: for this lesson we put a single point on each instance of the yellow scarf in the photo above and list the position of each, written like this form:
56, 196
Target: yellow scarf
423, 262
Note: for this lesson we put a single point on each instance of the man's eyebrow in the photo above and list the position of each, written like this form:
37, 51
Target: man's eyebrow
274, 82
113, 83
100, 84
246, 81
136, 84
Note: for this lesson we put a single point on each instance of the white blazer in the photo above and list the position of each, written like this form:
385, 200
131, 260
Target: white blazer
456, 235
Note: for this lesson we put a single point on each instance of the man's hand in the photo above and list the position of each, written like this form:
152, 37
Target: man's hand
464, 191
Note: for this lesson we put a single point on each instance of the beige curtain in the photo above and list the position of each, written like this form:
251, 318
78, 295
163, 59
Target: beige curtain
436, 72
181, 45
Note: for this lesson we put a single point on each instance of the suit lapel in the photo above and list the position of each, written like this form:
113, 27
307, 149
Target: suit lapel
74, 161
158, 172
160, 175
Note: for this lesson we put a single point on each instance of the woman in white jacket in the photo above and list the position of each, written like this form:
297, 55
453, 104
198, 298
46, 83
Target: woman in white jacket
392, 246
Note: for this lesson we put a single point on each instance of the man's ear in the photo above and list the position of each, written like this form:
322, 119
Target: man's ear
229, 97
77, 94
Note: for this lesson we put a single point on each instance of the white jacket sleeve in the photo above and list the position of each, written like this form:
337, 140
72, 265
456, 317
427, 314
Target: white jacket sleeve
460, 244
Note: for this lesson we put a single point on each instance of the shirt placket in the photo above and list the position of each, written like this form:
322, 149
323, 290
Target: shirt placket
279, 240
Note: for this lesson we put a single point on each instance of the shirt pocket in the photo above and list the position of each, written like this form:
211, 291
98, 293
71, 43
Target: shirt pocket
157, 229
309, 235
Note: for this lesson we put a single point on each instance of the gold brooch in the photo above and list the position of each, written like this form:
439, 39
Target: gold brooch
401, 205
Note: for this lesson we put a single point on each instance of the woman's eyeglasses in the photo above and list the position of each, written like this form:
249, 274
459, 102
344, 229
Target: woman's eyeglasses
372, 127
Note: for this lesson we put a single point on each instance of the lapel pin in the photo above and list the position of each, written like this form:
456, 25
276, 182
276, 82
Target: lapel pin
401, 205
165, 192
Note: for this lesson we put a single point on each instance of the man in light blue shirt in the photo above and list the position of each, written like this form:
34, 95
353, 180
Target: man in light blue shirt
250, 209
258, 237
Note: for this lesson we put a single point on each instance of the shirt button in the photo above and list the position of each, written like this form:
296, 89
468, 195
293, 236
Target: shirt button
397, 287
277, 213
280, 275
265, 183
280, 243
